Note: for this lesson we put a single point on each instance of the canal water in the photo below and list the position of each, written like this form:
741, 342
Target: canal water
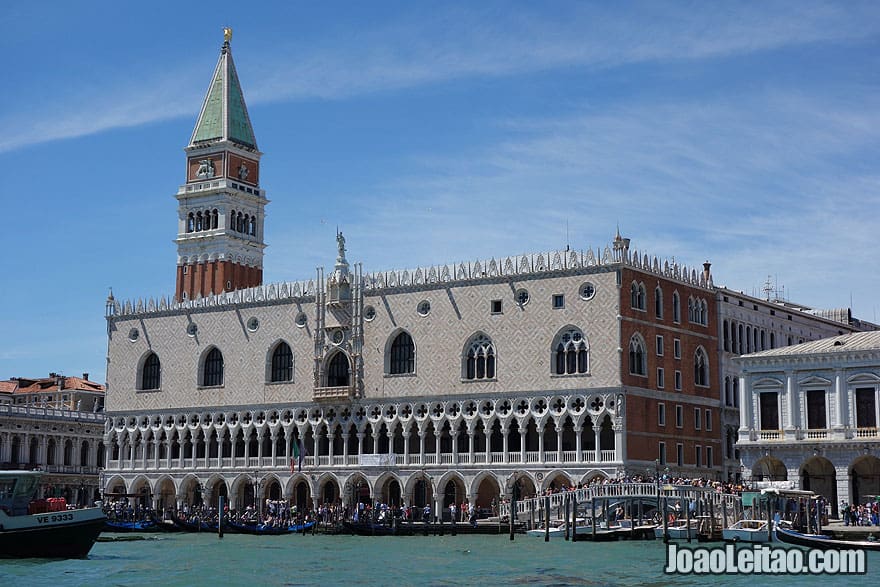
203, 559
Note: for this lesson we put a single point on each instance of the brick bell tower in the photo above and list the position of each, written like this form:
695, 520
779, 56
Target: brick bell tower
221, 206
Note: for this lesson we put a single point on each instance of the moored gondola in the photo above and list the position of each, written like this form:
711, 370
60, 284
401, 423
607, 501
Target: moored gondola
822, 541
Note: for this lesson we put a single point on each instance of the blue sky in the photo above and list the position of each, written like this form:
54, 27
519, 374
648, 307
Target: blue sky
747, 134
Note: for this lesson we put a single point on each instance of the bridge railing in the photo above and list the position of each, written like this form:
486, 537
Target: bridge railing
623, 490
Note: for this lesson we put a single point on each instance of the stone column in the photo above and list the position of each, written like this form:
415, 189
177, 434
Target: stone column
360, 436
406, 434
345, 437
559, 455
522, 444
220, 443
578, 443
471, 445
437, 435
504, 433
541, 444
454, 434
156, 443
273, 437
597, 432
330, 438
422, 447
841, 417
746, 415
791, 415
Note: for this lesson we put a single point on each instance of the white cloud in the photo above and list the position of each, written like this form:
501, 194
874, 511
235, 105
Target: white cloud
457, 43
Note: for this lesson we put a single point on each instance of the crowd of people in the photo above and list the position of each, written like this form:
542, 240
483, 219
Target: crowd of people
865, 514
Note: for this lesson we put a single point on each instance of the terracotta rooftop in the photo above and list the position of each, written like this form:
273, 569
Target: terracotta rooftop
30, 385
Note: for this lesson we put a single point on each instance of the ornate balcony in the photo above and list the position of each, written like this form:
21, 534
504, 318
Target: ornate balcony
333, 394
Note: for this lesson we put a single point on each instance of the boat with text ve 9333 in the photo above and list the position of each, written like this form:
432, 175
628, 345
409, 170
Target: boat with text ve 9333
42, 528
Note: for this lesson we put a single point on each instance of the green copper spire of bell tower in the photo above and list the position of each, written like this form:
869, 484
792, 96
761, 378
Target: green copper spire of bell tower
224, 114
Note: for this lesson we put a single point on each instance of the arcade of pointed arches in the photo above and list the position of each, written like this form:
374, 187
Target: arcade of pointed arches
484, 489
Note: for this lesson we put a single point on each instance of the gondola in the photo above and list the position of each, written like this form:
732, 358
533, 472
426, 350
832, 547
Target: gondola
197, 526
369, 529
127, 527
263, 529
823, 542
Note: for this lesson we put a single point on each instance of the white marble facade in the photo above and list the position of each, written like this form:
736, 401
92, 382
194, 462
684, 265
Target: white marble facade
809, 413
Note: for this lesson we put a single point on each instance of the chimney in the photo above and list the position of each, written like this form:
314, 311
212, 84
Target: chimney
86, 376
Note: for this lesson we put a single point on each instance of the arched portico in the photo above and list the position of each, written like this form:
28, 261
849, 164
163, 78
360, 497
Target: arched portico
818, 475
864, 478
769, 468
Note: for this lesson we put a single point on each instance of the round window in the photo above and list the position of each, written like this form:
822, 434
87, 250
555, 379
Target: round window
369, 313
338, 336
253, 324
133, 334
424, 308
587, 291
301, 319
522, 297
192, 329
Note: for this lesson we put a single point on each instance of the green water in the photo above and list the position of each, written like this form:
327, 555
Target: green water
200, 559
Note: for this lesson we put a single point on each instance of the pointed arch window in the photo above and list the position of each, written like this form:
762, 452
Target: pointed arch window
572, 353
282, 363
701, 368
637, 356
212, 374
637, 296
337, 371
658, 302
402, 355
480, 359
676, 307
215, 216
191, 222
150, 372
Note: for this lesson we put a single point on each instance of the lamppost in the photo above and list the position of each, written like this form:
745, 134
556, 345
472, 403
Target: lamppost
101, 482
257, 504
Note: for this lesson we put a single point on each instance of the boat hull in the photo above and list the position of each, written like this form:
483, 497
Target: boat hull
822, 542
69, 540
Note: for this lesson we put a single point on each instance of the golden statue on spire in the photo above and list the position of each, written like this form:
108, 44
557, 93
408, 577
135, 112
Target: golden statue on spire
227, 34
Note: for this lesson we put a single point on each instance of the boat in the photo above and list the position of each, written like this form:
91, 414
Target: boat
27, 530
557, 530
370, 529
265, 529
127, 527
679, 530
752, 531
195, 526
822, 541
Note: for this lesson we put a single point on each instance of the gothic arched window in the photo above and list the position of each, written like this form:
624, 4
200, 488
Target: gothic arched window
701, 367
402, 355
572, 353
190, 222
637, 358
212, 373
150, 372
282, 363
480, 359
337, 371
658, 302
676, 307
214, 218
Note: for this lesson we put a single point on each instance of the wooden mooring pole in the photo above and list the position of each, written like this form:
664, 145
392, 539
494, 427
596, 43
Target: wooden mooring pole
565, 508
220, 504
547, 518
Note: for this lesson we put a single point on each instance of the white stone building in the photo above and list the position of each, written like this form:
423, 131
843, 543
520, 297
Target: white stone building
809, 413
748, 324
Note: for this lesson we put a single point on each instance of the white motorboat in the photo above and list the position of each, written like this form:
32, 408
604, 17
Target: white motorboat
679, 530
26, 532
753, 531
